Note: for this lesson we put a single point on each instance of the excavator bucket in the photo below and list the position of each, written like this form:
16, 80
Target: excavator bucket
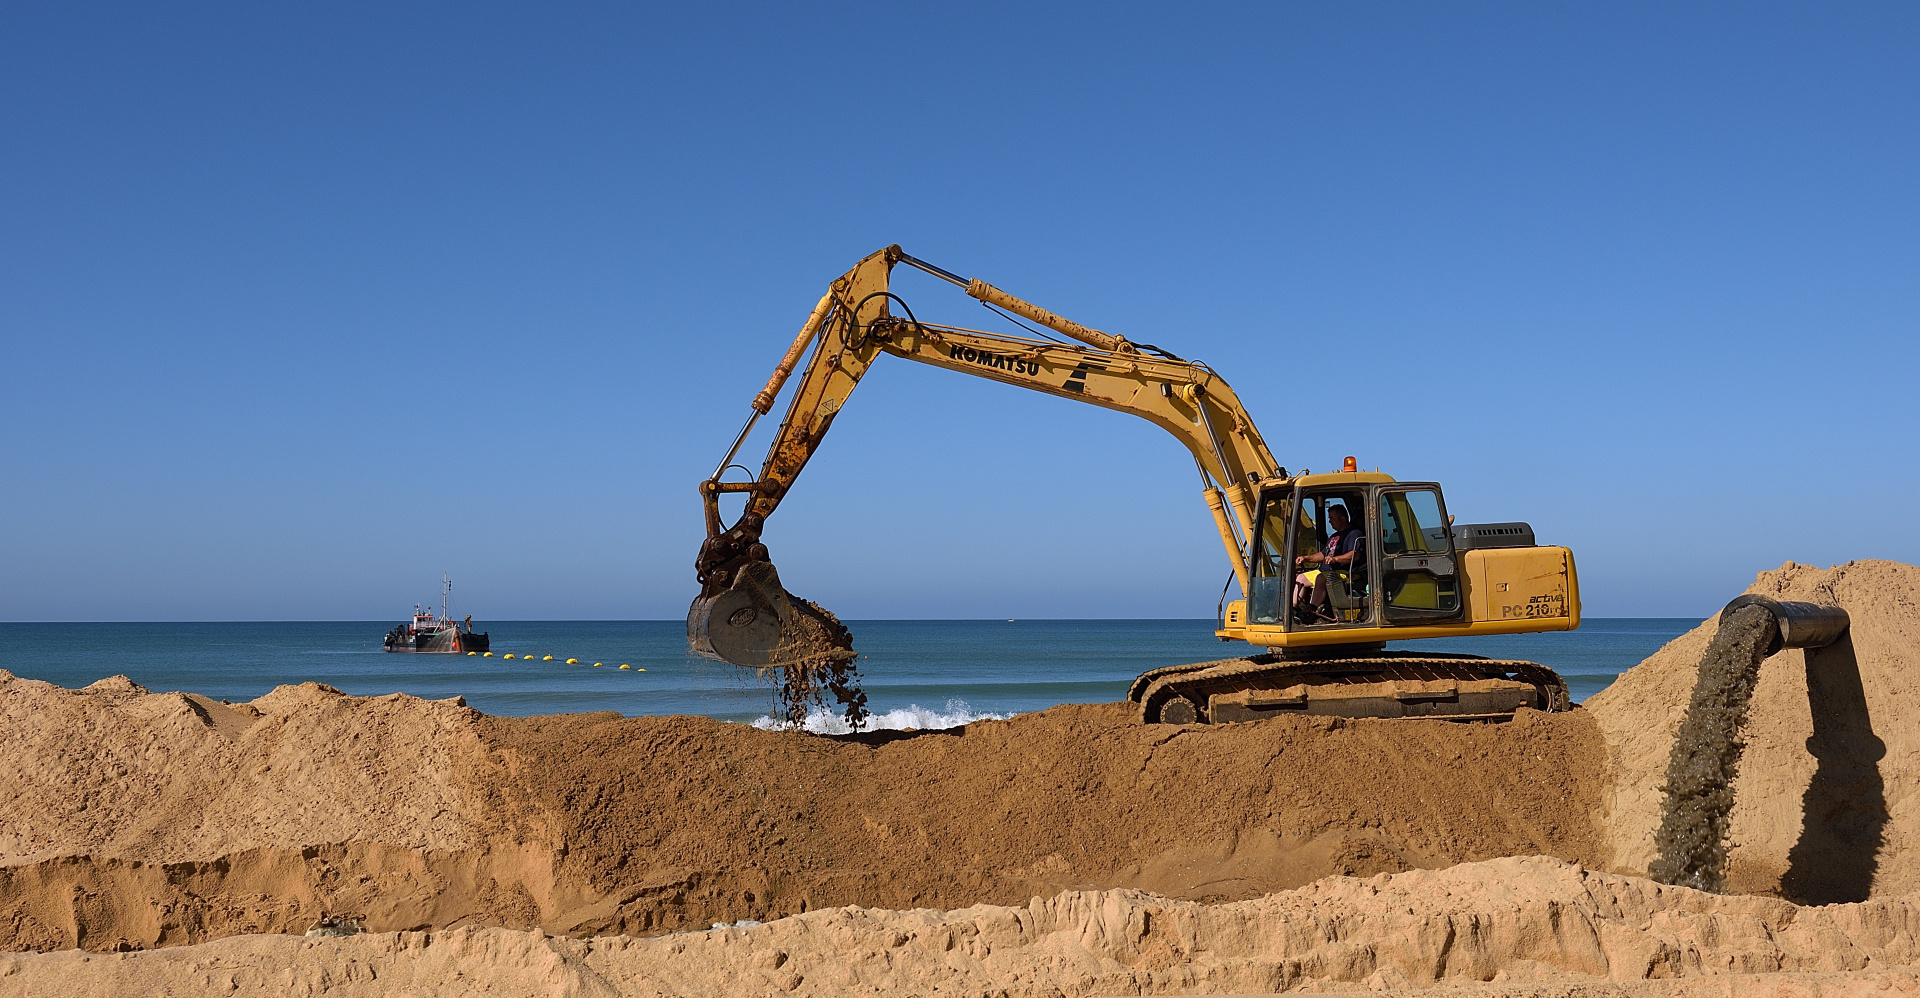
756, 623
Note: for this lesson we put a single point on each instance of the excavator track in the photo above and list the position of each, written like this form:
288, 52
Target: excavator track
1374, 684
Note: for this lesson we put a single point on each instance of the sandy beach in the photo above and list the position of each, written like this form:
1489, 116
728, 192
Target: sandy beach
184, 845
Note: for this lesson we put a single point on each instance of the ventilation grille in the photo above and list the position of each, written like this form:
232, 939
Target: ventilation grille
1467, 536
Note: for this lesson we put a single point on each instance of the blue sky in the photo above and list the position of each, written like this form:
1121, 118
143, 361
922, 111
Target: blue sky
301, 306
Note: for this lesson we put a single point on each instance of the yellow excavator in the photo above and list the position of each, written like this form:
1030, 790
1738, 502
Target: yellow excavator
1330, 566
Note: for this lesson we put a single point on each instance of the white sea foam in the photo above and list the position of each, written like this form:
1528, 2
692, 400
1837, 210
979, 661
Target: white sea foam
908, 718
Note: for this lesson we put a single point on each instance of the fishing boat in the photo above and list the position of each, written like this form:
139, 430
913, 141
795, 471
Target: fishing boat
436, 633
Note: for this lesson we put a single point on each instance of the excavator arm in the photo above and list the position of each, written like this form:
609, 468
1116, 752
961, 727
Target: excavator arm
743, 615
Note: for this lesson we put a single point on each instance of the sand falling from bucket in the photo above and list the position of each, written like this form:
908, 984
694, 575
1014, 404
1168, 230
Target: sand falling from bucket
819, 661
1692, 840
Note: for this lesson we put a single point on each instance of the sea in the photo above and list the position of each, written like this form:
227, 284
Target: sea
917, 673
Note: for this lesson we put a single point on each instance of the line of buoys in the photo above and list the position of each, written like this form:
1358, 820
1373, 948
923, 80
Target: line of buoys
549, 658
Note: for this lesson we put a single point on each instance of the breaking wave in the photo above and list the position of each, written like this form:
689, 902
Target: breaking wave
909, 718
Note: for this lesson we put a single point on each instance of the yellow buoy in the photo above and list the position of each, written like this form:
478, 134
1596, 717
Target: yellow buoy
487, 655
596, 665
509, 656
624, 665
639, 670
573, 661
472, 654
546, 658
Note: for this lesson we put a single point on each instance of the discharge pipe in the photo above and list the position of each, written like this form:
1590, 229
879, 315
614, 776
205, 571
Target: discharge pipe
1797, 625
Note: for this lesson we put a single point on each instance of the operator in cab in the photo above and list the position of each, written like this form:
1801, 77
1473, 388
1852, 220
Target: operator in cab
1343, 544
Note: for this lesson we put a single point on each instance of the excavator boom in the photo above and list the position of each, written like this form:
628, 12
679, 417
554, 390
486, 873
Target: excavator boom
743, 615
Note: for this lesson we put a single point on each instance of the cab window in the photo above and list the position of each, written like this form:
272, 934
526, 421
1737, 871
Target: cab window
1264, 603
1418, 576
1333, 595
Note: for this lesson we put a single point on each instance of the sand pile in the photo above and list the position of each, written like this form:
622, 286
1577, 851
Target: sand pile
1825, 805
1510, 922
113, 770
138, 819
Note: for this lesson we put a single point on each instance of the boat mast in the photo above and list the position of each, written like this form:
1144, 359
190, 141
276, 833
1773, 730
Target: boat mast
446, 590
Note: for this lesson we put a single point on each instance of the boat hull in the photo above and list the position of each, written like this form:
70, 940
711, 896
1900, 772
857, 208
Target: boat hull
450, 641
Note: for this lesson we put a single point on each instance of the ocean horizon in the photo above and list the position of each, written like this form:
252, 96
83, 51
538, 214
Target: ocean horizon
917, 673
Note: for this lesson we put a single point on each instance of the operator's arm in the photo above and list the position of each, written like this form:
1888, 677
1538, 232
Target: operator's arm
1343, 542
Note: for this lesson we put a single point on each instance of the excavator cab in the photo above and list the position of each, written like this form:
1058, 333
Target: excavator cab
1405, 551
1403, 572
1325, 627
1413, 570
1291, 588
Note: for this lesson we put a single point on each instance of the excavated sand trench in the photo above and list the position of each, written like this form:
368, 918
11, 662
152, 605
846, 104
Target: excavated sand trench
138, 820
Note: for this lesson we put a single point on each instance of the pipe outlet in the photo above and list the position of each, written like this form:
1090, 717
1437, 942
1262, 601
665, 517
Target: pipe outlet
1799, 625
